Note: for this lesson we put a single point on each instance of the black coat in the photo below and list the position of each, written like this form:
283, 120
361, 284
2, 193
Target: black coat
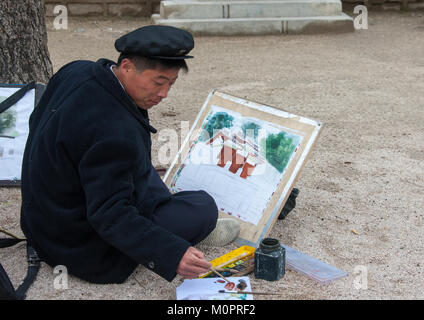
88, 185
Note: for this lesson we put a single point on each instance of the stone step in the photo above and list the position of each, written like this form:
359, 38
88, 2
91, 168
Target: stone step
248, 9
260, 26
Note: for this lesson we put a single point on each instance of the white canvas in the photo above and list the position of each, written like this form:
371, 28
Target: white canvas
14, 131
208, 289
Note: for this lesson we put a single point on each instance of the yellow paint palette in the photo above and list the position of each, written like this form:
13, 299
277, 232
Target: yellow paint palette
234, 263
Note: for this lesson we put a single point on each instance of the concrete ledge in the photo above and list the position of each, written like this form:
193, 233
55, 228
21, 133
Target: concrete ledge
339, 24
248, 9
260, 26
120, 8
85, 9
127, 10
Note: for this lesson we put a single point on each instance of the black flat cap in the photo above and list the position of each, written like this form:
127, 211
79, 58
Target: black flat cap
157, 42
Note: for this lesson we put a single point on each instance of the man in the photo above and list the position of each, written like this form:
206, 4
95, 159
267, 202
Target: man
91, 199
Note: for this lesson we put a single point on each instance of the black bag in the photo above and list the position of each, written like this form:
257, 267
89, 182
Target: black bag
7, 290
290, 204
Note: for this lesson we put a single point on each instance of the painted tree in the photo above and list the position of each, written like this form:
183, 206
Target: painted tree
278, 150
218, 121
251, 129
7, 120
24, 55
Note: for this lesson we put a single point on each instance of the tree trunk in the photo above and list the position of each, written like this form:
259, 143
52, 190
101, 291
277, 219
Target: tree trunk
24, 56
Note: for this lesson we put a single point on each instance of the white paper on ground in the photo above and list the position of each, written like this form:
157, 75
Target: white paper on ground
14, 136
208, 289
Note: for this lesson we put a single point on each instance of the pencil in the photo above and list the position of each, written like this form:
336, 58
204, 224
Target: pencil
250, 292
214, 271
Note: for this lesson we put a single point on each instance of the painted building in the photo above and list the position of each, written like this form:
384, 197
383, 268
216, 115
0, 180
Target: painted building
241, 153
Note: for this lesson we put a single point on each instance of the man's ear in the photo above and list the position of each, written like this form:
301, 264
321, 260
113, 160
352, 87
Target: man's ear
126, 65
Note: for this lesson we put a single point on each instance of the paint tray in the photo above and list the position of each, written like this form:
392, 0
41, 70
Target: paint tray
236, 263
311, 267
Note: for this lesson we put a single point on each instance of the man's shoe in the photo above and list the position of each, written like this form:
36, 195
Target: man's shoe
225, 232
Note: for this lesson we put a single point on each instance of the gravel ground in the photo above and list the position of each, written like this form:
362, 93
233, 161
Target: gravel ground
361, 199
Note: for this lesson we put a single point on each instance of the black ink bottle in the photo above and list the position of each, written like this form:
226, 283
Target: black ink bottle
270, 260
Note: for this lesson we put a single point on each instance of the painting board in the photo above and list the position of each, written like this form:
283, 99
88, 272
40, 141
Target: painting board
247, 156
14, 130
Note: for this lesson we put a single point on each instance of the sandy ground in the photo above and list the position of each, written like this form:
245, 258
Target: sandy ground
366, 173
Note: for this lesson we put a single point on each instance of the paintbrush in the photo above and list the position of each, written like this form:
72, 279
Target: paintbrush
251, 292
214, 271
227, 270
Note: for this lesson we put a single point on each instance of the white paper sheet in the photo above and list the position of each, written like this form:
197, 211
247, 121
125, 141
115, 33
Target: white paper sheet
208, 289
237, 193
14, 133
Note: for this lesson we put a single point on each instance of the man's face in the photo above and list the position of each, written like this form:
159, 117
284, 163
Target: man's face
149, 87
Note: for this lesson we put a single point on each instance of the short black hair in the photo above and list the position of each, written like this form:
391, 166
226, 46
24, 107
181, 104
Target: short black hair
142, 63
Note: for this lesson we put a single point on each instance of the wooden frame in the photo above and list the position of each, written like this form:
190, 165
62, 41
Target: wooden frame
303, 130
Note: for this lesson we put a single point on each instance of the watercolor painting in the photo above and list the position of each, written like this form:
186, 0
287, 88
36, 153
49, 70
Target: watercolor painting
239, 161
14, 131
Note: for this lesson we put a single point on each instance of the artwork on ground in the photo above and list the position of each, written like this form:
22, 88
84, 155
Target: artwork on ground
209, 289
13, 133
8, 121
238, 160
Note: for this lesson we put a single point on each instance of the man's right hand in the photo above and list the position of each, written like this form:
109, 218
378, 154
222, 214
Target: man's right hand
193, 264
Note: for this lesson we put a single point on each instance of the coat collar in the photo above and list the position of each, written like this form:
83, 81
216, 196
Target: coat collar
106, 78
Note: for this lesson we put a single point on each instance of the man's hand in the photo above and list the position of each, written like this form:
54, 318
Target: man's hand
193, 264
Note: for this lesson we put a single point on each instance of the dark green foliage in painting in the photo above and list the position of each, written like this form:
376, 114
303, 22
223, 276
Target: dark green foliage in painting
218, 121
7, 120
278, 150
